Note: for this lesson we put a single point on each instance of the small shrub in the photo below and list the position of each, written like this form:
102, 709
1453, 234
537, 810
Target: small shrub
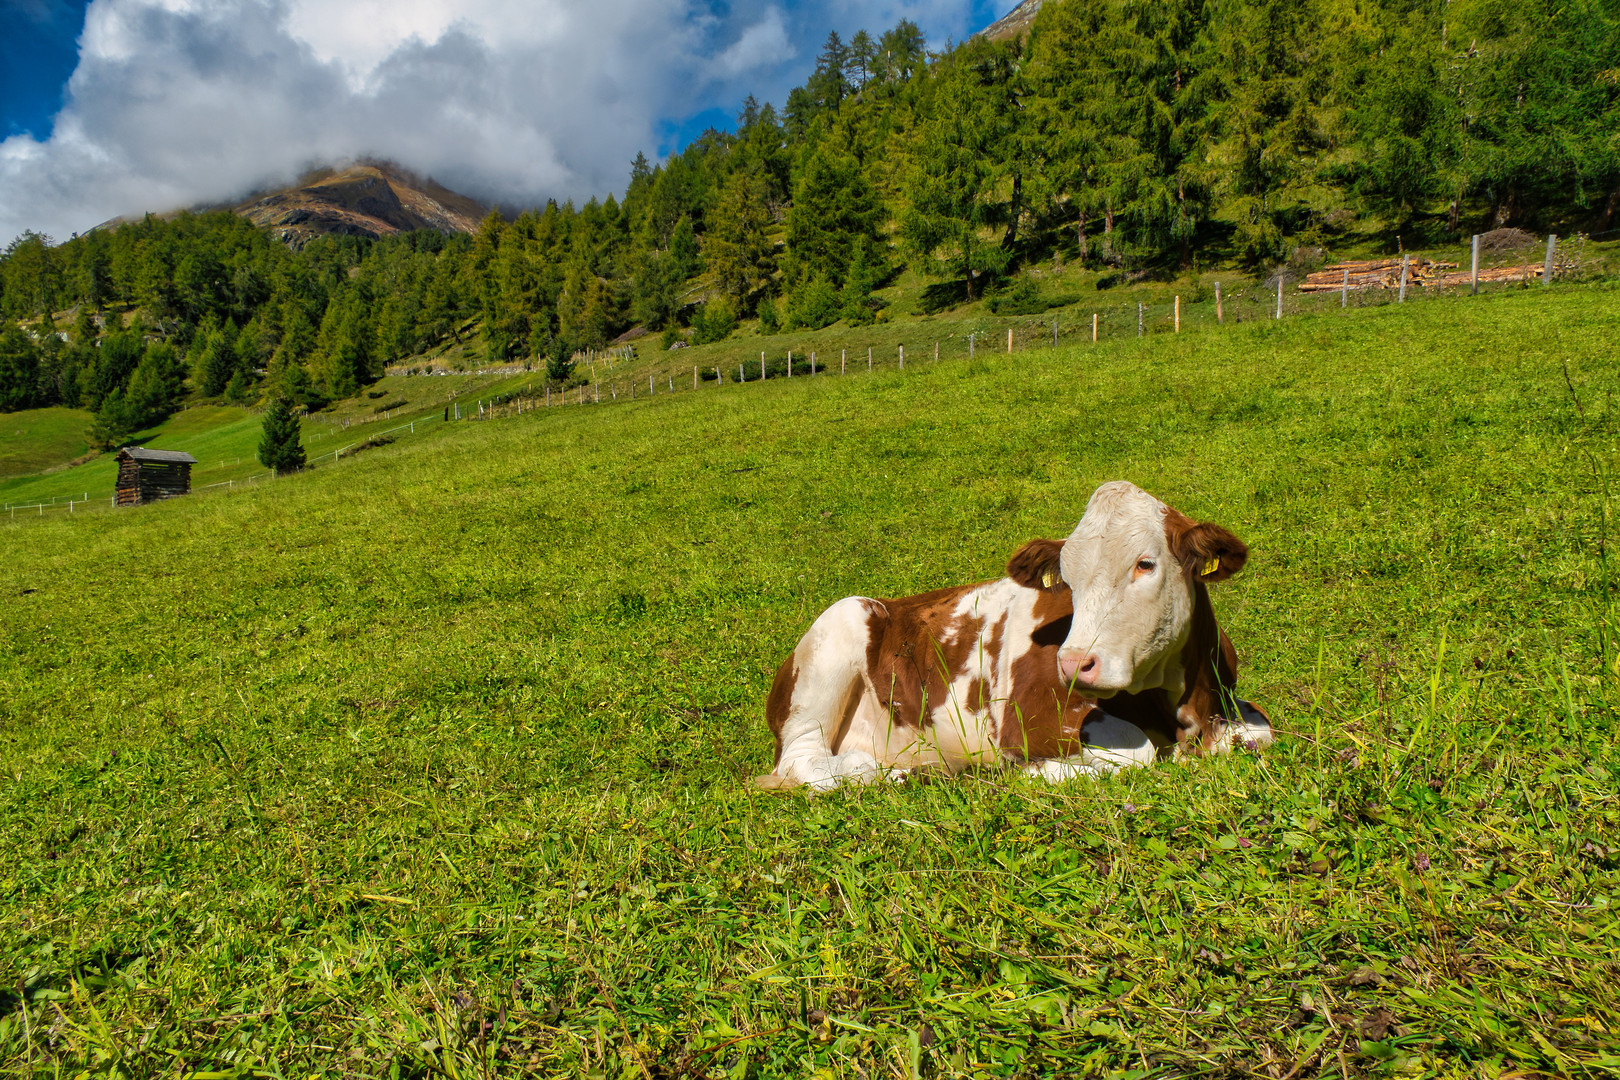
770, 320
714, 321
814, 306
1024, 298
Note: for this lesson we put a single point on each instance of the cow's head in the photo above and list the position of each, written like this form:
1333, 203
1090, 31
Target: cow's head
1132, 564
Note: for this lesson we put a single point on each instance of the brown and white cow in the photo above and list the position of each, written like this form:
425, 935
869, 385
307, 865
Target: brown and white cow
1094, 653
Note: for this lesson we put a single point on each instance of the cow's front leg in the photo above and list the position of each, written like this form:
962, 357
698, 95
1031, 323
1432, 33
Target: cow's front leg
1252, 728
1111, 744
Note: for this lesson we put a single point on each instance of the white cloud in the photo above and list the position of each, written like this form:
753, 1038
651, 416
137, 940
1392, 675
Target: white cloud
177, 102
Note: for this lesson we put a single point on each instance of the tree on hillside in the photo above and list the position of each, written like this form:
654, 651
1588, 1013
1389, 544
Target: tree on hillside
952, 194
113, 363
862, 54
115, 420
739, 251
835, 211
19, 369
155, 385
1268, 129
280, 447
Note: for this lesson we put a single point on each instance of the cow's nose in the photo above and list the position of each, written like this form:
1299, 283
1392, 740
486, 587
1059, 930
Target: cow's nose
1081, 669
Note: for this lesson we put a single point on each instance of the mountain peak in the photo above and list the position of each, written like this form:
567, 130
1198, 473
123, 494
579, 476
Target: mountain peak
365, 198
1015, 23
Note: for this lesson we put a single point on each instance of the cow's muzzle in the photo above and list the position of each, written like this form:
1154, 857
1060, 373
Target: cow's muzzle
1078, 670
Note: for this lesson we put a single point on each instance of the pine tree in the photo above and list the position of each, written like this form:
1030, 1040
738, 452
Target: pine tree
19, 369
280, 447
835, 210
739, 251
115, 420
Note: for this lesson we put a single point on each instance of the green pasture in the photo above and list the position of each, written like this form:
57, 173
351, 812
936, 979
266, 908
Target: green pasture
224, 439
33, 440
434, 762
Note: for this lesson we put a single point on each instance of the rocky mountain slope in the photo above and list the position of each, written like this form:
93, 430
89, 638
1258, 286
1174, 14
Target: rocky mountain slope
368, 198
1015, 23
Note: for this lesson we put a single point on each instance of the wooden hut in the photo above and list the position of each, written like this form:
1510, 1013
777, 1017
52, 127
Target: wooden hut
149, 475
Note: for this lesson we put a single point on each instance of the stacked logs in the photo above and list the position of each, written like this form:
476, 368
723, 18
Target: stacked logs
1379, 274
1386, 274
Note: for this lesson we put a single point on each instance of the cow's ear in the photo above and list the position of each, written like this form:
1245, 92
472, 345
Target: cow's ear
1035, 565
1210, 552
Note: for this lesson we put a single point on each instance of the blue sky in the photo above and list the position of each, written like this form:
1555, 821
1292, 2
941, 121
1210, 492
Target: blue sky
182, 102
38, 51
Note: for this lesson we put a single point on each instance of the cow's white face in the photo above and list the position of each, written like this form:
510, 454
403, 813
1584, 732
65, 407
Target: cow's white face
1131, 564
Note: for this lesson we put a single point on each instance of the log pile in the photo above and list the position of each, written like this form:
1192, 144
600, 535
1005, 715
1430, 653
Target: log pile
1377, 274
1386, 274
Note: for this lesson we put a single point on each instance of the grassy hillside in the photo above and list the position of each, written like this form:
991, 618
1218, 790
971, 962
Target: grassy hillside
435, 762
33, 440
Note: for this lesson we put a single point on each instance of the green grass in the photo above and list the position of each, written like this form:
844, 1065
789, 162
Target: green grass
435, 762
37, 439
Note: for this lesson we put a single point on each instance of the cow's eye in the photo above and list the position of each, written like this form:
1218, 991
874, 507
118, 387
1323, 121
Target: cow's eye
1144, 566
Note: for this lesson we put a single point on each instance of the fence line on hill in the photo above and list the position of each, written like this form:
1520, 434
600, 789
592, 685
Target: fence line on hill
1267, 301
1274, 299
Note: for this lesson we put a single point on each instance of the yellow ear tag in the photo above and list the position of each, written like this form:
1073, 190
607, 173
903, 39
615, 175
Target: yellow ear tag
1210, 566
1050, 579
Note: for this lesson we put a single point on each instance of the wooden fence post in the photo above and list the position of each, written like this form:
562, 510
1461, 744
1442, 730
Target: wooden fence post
761, 367
1094, 328
1474, 273
902, 358
1178, 314
694, 376
936, 352
1546, 267
843, 362
1344, 289
790, 363
1054, 333
970, 346
1406, 262
812, 363
1140, 319
1280, 277
1220, 316
1009, 341
869, 358
649, 386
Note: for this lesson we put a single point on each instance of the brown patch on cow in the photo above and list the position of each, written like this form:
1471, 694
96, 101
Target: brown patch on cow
915, 651
781, 699
1210, 663
1035, 565
978, 694
1208, 553
1044, 718
1206, 550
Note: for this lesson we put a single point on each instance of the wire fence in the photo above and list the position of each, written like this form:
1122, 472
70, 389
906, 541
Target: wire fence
1205, 308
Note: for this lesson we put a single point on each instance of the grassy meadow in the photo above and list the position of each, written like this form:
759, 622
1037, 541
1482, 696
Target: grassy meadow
434, 762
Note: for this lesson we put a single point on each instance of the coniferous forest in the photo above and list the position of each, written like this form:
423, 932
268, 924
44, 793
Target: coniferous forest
1144, 135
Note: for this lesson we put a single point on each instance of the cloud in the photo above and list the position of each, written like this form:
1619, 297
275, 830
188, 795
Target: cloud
181, 102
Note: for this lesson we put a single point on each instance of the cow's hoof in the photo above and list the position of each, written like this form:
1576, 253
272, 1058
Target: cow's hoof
1060, 770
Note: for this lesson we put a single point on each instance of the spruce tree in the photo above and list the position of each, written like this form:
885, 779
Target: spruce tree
19, 369
279, 446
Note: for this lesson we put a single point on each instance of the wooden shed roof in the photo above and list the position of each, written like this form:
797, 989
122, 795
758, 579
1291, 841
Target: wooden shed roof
165, 457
